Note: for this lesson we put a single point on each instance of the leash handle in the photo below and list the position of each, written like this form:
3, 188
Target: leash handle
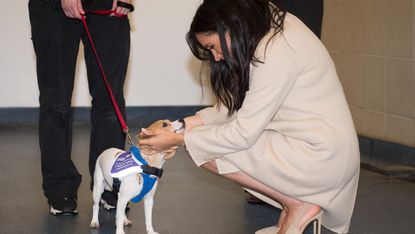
105, 12
104, 77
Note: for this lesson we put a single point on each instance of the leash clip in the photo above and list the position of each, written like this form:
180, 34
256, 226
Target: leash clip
130, 141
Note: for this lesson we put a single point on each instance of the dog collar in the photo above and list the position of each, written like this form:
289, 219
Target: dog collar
147, 169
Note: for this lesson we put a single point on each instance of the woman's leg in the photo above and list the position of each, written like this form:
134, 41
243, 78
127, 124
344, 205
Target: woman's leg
292, 206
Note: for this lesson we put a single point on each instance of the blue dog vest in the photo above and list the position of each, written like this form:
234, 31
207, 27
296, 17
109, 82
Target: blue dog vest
130, 162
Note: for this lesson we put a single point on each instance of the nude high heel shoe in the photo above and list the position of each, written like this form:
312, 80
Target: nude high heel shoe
316, 219
268, 230
273, 229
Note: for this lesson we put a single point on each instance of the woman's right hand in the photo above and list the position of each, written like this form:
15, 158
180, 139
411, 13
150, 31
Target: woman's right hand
159, 140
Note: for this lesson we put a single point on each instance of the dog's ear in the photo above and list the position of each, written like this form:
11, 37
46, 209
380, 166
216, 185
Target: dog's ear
147, 150
170, 152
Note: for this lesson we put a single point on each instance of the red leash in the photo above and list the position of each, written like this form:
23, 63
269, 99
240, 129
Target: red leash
104, 77
105, 12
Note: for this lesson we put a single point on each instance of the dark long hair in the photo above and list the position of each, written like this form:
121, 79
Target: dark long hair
247, 22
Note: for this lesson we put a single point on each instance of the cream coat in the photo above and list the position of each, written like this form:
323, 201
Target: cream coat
294, 131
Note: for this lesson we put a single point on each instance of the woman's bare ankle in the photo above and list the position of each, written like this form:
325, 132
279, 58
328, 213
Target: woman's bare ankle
281, 218
298, 214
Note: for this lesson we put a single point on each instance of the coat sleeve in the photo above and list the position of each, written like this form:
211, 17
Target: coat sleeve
271, 82
214, 114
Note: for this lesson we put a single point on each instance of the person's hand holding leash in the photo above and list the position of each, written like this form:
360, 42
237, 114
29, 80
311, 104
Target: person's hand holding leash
72, 8
122, 7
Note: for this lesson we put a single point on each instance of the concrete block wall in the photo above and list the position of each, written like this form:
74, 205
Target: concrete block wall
372, 43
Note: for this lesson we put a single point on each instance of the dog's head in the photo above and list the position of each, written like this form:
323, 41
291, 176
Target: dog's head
175, 126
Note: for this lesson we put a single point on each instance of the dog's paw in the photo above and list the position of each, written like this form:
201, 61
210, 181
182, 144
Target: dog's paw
127, 222
119, 231
94, 225
152, 232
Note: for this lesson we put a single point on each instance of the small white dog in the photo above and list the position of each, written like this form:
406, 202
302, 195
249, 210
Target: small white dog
131, 186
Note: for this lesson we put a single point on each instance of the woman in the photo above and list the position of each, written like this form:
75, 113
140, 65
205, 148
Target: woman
281, 126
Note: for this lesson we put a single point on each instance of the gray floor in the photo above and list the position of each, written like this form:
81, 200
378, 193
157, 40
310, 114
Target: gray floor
188, 200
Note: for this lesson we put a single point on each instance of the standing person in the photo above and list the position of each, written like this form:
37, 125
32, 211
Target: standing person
281, 126
56, 33
308, 11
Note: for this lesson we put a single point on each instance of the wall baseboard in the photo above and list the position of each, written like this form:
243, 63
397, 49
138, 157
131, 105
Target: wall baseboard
376, 155
386, 158
141, 116
386, 151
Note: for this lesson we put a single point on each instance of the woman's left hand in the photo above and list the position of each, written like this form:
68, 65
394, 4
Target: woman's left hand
160, 140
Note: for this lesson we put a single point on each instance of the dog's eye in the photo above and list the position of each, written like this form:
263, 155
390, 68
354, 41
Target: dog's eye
164, 125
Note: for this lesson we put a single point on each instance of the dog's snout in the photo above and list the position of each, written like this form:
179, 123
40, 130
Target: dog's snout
178, 125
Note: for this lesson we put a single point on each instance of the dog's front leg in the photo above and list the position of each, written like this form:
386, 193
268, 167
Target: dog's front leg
148, 210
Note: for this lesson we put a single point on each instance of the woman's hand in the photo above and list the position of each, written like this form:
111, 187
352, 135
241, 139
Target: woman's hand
160, 140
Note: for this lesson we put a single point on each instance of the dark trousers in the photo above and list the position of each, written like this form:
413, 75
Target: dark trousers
56, 40
308, 11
